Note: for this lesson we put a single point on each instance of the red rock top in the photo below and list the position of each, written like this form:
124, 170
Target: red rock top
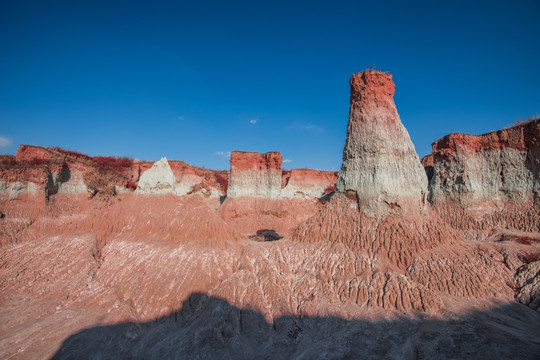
427, 160
241, 160
518, 137
372, 86
29, 153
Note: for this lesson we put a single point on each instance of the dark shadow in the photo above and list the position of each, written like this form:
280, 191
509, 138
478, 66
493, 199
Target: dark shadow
429, 173
210, 328
265, 235
222, 199
63, 177
326, 197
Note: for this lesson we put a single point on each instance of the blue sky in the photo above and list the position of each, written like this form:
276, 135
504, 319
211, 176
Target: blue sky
194, 80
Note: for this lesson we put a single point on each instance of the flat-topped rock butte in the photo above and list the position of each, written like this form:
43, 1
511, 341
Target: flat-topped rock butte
392, 257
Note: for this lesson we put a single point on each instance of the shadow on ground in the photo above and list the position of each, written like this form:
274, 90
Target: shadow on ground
209, 327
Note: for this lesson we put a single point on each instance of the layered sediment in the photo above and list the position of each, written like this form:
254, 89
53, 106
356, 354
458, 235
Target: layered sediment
497, 166
307, 183
379, 164
480, 182
255, 175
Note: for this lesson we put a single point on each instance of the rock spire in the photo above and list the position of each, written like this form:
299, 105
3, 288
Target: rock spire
380, 163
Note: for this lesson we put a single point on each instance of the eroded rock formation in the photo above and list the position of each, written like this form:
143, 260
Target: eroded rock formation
255, 175
366, 271
379, 160
159, 179
498, 166
489, 180
308, 184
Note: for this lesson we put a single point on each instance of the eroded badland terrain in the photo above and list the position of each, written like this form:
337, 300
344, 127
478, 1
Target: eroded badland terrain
393, 257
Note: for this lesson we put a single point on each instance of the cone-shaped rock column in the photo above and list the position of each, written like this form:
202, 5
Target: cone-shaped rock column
380, 163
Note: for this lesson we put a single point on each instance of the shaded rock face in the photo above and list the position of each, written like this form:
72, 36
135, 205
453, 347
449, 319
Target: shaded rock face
255, 175
379, 160
427, 163
497, 166
159, 179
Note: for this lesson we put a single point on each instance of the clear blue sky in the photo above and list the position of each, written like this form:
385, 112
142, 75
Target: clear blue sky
194, 80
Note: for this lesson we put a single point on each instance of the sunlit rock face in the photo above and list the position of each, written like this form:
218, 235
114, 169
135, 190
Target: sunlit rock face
255, 175
308, 184
490, 180
380, 163
159, 179
30, 153
499, 165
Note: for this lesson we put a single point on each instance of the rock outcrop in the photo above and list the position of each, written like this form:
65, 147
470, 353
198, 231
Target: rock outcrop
23, 181
427, 163
308, 184
32, 153
159, 179
255, 175
528, 281
379, 160
497, 166
480, 182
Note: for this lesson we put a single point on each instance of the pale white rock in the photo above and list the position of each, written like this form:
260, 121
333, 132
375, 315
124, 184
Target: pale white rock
121, 190
72, 183
186, 183
488, 170
159, 179
471, 176
14, 189
294, 192
380, 163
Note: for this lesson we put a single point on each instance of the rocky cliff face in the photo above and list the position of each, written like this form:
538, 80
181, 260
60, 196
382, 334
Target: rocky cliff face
489, 180
497, 166
255, 175
37, 171
308, 184
254, 195
379, 160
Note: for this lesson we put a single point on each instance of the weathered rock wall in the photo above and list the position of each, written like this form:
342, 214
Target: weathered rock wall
490, 180
308, 184
379, 160
496, 166
255, 175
